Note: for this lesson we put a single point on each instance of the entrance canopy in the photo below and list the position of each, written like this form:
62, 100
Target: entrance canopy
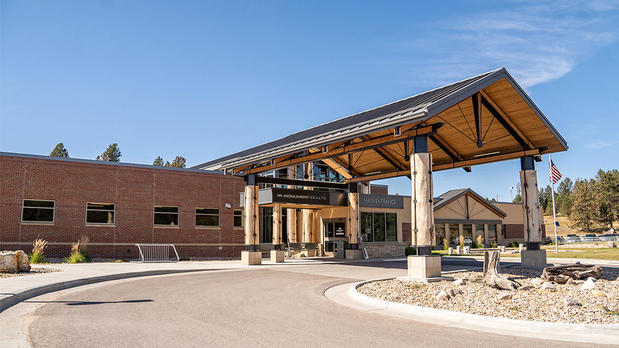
485, 118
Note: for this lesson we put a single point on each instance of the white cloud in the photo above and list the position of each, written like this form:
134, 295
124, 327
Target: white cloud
537, 41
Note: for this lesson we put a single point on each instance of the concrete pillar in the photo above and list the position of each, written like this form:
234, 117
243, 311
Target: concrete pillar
251, 256
533, 256
447, 234
424, 265
499, 234
486, 233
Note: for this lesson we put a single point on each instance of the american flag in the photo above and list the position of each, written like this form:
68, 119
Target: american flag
555, 174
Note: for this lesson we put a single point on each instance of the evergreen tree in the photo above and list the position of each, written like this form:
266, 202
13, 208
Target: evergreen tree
178, 162
563, 196
545, 199
111, 154
158, 161
59, 151
608, 194
518, 198
585, 207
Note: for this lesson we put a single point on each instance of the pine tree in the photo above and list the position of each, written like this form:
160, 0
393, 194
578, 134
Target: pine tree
178, 162
518, 198
158, 161
111, 154
59, 151
585, 207
563, 196
608, 193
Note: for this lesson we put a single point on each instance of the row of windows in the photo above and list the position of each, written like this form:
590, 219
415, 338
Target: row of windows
103, 214
379, 227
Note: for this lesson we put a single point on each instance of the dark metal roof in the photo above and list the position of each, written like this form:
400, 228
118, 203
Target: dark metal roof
452, 195
418, 107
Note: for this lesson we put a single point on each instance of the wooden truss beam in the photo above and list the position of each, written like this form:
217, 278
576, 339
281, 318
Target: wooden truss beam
455, 164
387, 156
505, 121
477, 113
356, 147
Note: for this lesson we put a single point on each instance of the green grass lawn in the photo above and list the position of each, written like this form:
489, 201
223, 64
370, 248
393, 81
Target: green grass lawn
577, 253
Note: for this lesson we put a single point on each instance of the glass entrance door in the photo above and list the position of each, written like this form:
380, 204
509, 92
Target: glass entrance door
334, 234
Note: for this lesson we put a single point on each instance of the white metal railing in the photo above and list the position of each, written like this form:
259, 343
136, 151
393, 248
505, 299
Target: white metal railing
156, 252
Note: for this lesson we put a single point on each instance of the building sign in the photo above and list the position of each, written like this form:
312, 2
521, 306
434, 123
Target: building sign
381, 201
293, 196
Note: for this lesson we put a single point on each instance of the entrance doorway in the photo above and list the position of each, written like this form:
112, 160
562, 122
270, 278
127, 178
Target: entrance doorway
335, 238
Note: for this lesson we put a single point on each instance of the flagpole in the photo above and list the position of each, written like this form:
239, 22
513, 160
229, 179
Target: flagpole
554, 212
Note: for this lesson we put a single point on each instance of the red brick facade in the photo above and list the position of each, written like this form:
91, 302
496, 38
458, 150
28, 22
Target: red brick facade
134, 189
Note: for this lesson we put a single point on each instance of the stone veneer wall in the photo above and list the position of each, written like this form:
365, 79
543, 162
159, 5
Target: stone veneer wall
387, 249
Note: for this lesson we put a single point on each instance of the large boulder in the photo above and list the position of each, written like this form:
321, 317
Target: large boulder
14, 261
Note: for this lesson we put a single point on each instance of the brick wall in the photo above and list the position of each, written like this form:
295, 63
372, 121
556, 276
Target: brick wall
134, 190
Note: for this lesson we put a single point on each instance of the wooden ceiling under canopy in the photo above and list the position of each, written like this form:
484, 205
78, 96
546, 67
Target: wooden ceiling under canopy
483, 119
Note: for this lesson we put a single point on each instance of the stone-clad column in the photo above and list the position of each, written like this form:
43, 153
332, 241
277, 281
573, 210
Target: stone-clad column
424, 265
533, 256
251, 256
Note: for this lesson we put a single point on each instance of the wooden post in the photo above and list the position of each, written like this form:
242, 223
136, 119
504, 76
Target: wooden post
530, 204
277, 225
307, 226
252, 211
353, 219
460, 233
499, 233
447, 234
291, 220
422, 207
486, 234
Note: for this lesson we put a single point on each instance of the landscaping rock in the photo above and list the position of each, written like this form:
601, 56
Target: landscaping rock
572, 303
598, 293
506, 296
589, 284
476, 278
537, 281
525, 287
548, 286
459, 282
443, 296
14, 261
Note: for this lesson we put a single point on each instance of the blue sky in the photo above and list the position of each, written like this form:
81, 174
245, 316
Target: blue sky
204, 79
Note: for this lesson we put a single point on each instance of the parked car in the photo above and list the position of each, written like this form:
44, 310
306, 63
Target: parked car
551, 240
591, 237
572, 238
609, 237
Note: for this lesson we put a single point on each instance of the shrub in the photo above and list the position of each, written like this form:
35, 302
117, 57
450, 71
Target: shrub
79, 251
494, 245
461, 241
445, 244
38, 248
480, 242
410, 250
513, 244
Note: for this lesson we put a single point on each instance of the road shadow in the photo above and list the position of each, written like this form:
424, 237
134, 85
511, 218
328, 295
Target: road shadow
87, 303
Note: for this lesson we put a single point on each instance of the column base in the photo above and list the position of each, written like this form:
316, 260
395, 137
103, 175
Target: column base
533, 258
354, 254
251, 257
277, 256
424, 267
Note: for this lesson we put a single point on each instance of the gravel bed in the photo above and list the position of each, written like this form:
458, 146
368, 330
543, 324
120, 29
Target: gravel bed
33, 271
566, 303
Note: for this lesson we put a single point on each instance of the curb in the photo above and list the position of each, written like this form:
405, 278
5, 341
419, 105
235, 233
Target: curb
588, 333
10, 301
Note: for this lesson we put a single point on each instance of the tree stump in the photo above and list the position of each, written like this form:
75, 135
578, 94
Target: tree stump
491, 273
561, 274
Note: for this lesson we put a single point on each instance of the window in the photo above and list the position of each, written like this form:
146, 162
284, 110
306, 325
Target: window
38, 211
100, 213
207, 217
379, 227
238, 218
166, 216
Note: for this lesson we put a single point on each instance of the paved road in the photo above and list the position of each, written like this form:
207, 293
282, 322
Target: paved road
275, 306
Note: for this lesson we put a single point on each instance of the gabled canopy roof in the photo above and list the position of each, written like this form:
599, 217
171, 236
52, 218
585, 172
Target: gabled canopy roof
481, 119
452, 195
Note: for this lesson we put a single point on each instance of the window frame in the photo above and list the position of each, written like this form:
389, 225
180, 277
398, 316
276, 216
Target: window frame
372, 215
23, 206
205, 214
178, 213
113, 224
234, 216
